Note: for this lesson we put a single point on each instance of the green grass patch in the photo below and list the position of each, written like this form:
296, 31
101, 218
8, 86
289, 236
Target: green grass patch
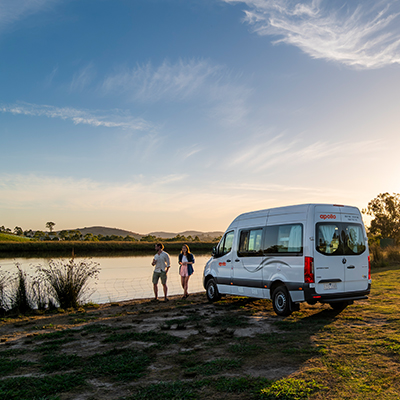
214, 367
166, 391
39, 387
289, 389
151, 336
119, 364
229, 321
60, 362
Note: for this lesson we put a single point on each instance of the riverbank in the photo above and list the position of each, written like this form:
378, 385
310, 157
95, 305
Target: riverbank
85, 248
236, 348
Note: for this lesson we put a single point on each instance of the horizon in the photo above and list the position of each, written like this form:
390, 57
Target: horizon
164, 115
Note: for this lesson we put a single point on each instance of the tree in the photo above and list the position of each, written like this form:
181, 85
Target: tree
18, 231
50, 226
39, 235
385, 209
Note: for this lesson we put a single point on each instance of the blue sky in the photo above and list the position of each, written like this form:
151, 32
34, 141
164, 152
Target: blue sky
175, 114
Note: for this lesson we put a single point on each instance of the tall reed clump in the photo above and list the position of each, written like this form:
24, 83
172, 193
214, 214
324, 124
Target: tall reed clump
68, 281
4, 282
21, 296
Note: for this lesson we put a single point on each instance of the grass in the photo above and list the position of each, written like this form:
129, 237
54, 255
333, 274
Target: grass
324, 354
5, 237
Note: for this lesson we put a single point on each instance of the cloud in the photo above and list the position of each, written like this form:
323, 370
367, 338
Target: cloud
284, 152
83, 78
363, 34
177, 81
93, 118
212, 86
14, 10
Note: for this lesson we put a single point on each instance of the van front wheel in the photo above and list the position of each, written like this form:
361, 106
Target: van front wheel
212, 291
281, 301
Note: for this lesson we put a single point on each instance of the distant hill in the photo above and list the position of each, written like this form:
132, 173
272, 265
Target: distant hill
202, 235
102, 230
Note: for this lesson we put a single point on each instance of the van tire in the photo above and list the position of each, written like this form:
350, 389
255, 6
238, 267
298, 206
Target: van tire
212, 291
281, 301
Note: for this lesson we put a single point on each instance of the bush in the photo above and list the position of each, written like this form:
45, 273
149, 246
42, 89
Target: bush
68, 281
377, 256
393, 254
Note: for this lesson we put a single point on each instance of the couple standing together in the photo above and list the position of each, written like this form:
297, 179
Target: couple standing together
162, 264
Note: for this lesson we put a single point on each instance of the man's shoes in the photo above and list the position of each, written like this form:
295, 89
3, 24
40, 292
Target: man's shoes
166, 299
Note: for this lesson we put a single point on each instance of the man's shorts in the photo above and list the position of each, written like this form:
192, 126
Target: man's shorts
162, 275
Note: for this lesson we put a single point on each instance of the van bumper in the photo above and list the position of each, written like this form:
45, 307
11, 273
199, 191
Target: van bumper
312, 297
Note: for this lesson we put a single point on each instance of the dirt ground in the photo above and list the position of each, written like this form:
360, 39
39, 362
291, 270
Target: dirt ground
204, 331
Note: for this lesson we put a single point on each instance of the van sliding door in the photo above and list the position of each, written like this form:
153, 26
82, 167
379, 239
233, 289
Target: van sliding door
247, 266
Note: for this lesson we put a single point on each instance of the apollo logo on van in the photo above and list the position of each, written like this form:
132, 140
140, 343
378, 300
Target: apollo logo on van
325, 216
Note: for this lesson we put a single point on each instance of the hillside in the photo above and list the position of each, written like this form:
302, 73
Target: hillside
4, 237
102, 230
105, 231
201, 235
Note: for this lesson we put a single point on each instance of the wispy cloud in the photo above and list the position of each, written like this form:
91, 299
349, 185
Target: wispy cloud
257, 155
364, 34
82, 78
118, 119
14, 10
211, 85
177, 81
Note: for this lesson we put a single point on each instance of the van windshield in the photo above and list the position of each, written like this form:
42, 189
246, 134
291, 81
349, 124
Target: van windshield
340, 239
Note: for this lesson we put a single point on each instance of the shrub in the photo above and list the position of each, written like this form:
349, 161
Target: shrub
68, 281
377, 256
393, 254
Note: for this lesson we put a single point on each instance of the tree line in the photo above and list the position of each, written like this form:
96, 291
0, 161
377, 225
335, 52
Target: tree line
384, 210
75, 234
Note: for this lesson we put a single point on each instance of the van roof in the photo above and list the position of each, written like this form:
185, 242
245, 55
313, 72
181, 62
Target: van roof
299, 208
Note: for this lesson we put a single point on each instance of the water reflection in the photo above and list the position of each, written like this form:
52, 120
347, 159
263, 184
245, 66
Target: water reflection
124, 278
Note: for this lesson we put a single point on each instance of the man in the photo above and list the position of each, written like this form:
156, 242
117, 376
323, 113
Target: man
162, 264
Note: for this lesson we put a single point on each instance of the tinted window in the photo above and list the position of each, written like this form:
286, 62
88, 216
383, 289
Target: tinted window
250, 243
340, 239
284, 239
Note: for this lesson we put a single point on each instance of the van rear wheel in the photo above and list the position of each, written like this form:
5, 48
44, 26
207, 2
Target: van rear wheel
281, 301
212, 291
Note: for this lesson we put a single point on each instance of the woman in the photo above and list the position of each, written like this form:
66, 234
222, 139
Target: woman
186, 261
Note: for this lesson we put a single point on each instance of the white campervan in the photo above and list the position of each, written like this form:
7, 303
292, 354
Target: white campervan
308, 252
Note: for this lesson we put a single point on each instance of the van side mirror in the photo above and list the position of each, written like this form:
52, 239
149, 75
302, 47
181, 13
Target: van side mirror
214, 251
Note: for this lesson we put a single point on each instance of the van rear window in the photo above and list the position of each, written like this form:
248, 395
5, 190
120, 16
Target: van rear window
340, 239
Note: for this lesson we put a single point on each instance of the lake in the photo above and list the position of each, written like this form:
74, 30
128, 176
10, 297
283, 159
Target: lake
124, 278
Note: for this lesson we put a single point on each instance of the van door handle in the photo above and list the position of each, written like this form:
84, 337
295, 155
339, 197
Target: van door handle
237, 260
228, 260
351, 267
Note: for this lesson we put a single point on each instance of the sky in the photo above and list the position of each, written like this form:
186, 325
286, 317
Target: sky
176, 115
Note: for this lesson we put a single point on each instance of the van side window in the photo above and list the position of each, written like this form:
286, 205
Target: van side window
250, 243
286, 239
340, 239
225, 244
